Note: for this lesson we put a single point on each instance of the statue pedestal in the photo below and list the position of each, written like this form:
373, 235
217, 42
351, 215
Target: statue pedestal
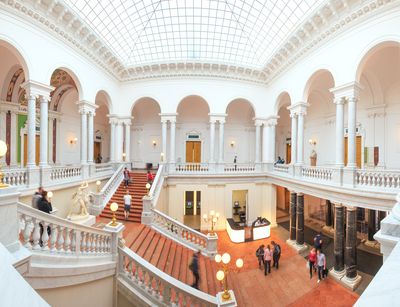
87, 220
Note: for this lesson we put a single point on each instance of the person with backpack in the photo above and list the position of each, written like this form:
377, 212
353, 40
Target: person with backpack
276, 254
260, 256
194, 267
318, 241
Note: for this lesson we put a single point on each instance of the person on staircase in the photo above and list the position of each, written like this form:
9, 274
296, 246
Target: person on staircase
194, 267
127, 177
127, 204
150, 177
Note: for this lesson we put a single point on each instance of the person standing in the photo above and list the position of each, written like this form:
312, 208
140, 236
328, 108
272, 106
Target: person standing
235, 161
267, 260
45, 206
126, 177
36, 198
260, 256
318, 241
276, 254
312, 258
321, 265
127, 204
194, 267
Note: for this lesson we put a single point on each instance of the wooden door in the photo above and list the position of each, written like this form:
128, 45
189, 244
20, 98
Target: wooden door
358, 150
288, 154
193, 152
37, 151
96, 150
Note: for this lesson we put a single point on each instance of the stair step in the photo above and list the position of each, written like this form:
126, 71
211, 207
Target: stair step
177, 262
147, 241
158, 251
136, 245
170, 261
164, 256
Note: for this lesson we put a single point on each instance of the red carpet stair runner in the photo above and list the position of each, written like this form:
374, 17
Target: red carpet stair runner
137, 189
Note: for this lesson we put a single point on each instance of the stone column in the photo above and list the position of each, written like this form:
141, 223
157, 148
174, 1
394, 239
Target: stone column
292, 227
128, 141
328, 216
164, 138
119, 141
14, 139
340, 132
371, 224
265, 134
112, 140
221, 141
300, 219
258, 141
352, 279
351, 136
91, 114
300, 139
31, 133
50, 146
3, 131
84, 139
294, 138
271, 144
44, 131
338, 268
212, 140
172, 140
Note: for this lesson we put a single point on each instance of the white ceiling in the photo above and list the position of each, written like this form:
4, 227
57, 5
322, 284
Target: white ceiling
238, 32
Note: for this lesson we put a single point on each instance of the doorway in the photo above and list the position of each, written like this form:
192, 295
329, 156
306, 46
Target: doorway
96, 150
193, 151
37, 149
192, 209
288, 153
358, 150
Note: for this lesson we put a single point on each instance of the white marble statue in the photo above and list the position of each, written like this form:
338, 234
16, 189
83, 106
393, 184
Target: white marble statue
80, 201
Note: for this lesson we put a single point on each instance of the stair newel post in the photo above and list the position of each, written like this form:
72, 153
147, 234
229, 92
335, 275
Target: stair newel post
36, 234
45, 237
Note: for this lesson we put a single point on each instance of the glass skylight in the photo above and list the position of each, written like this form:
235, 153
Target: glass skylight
239, 32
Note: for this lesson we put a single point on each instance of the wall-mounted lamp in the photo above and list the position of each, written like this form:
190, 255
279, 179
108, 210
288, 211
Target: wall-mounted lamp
232, 143
73, 140
154, 143
123, 156
312, 142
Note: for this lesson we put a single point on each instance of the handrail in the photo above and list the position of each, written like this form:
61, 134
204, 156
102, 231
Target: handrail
157, 285
106, 188
156, 180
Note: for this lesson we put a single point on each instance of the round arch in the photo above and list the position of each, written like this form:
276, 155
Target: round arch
282, 100
244, 108
321, 75
72, 75
193, 101
143, 99
103, 98
18, 53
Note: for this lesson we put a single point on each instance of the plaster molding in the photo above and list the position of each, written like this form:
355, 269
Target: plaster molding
347, 91
37, 89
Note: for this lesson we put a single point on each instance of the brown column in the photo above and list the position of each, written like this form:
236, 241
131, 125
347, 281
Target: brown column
351, 243
328, 216
292, 228
371, 224
300, 219
339, 238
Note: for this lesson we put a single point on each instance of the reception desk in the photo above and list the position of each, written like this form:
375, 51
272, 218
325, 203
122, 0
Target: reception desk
237, 233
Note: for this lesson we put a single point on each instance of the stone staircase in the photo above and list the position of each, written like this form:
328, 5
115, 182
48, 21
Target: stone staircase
137, 189
172, 258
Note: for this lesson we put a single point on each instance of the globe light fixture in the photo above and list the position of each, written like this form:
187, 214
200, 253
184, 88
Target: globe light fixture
223, 273
50, 195
98, 183
211, 218
220, 275
3, 151
148, 186
123, 157
226, 258
218, 258
113, 208
239, 263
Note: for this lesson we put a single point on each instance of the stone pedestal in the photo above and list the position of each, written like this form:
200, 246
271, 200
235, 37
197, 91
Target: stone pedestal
9, 224
45, 173
212, 244
147, 214
299, 248
226, 303
292, 227
116, 236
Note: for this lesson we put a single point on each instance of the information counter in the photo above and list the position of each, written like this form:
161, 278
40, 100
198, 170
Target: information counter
237, 233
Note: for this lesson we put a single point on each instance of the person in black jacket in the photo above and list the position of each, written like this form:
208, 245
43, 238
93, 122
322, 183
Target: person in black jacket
260, 256
276, 254
45, 206
194, 267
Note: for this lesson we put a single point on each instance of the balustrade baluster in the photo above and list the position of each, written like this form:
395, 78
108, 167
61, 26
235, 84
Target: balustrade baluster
67, 244
83, 242
60, 241
45, 237
88, 243
53, 238
73, 240
36, 234
27, 232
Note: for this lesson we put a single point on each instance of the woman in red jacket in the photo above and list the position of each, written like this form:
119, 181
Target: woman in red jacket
312, 258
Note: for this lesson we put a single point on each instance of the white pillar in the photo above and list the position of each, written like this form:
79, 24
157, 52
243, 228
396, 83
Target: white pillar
172, 139
164, 138
90, 136
14, 138
112, 141
83, 136
351, 136
58, 140
340, 132
50, 145
119, 141
2, 131
221, 141
257, 141
128, 142
31, 163
44, 131
212, 140
300, 139
271, 145
265, 140
294, 138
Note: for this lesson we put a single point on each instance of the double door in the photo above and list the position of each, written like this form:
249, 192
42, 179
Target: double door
193, 151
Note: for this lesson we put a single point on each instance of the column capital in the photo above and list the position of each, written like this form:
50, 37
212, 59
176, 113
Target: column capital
336, 204
217, 117
272, 120
171, 117
299, 108
86, 107
37, 89
351, 89
259, 121
339, 100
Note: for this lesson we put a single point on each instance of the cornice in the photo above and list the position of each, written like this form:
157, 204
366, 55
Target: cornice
328, 20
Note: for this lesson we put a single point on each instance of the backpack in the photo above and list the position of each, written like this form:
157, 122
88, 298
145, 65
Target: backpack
277, 249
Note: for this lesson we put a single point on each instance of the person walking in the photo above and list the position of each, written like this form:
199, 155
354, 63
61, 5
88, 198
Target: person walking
267, 260
260, 256
127, 177
318, 241
45, 206
194, 267
127, 204
37, 197
321, 265
312, 258
276, 254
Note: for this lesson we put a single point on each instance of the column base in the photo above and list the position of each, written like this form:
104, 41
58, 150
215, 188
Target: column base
351, 283
328, 230
372, 244
297, 247
337, 275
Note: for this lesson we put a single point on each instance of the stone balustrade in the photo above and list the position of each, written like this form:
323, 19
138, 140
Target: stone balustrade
281, 168
378, 178
156, 286
317, 172
62, 173
15, 177
191, 168
62, 236
103, 168
239, 167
